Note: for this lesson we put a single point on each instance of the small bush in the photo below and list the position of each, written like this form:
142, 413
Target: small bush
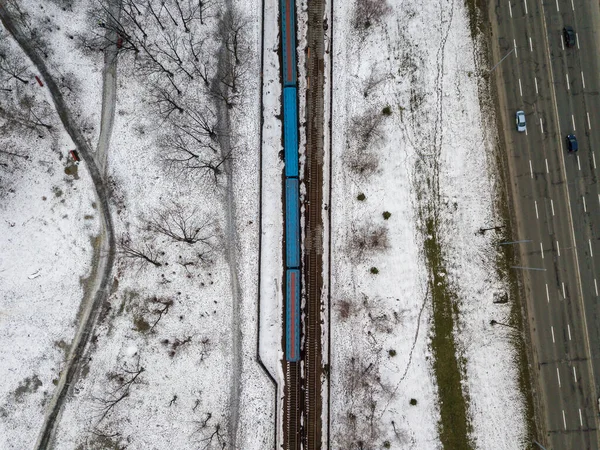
387, 444
413, 402
374, 270
141, 325
392, 352
387, 111
387, 215
361, 197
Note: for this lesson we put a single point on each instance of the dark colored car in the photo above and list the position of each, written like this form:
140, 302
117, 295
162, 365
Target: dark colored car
572, 143
569, 35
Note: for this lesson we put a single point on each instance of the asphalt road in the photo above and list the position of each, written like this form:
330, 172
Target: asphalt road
556, 201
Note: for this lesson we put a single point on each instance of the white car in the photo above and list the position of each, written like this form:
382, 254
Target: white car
521, 121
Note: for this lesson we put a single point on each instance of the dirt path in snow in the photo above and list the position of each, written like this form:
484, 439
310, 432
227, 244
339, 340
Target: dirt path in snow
101, 284
225, 132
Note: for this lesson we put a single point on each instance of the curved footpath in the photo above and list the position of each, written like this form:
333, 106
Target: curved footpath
101, 283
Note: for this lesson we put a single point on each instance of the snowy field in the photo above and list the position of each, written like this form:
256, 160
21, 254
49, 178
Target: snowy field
173, 359
419, 62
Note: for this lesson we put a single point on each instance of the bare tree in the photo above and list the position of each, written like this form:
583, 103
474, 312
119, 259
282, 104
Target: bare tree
120, 383
162, 308
366, 240
369, 12
210, 434
365, 129
181, 225
12, 67
145, 253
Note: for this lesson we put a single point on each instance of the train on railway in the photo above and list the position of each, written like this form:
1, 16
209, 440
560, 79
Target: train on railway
292, 191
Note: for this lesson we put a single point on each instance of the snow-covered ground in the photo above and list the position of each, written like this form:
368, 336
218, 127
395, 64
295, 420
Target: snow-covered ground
421, 63
174, 320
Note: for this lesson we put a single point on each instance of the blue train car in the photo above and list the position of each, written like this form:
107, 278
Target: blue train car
292, 223
288, 41
292, 315
290, 131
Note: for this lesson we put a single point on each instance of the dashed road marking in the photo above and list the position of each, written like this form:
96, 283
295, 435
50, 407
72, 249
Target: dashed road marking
537, 216
530, 43
582, 79
591, 251
573, 122
520, 88
568, 86
594, 159
553, 341
536, 86
526, 12
557, 7
548, 295
516, 51
584, 205
563, 289
547, 171
574, 375
558, 248
580, 418
558, 376
530, 169
578, 163
552, 206
510, 9
564, 419
542, 128
569, 330
596, 287
542, 250
589, 123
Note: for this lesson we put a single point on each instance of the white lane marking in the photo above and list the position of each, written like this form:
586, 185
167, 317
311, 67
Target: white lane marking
578, 163
542, 127
530, 169
542, 249
573, 121
547, 171
596, 287
552, 206
530, 44
598, 198
572, 5
563, 287
553, 341
569, 330
558, 376
510, 9
564, 420
520, 88
575, 375
558, 247
591, 251
577, 38
557, 8
537, 216
548, 295
594, 159
515, 44
589, 123
536, 86
568, 86
584, 205
583, 79
580, 419
526, 12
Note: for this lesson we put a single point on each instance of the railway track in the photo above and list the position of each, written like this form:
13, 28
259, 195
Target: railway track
292, 413
313, 258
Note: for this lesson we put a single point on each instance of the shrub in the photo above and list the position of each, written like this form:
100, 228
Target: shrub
413, 402
361, 197
387, 215
387, 111
374, 270
387, 444
392, 352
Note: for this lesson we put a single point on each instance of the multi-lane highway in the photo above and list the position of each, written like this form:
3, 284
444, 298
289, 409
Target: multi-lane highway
556, 200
